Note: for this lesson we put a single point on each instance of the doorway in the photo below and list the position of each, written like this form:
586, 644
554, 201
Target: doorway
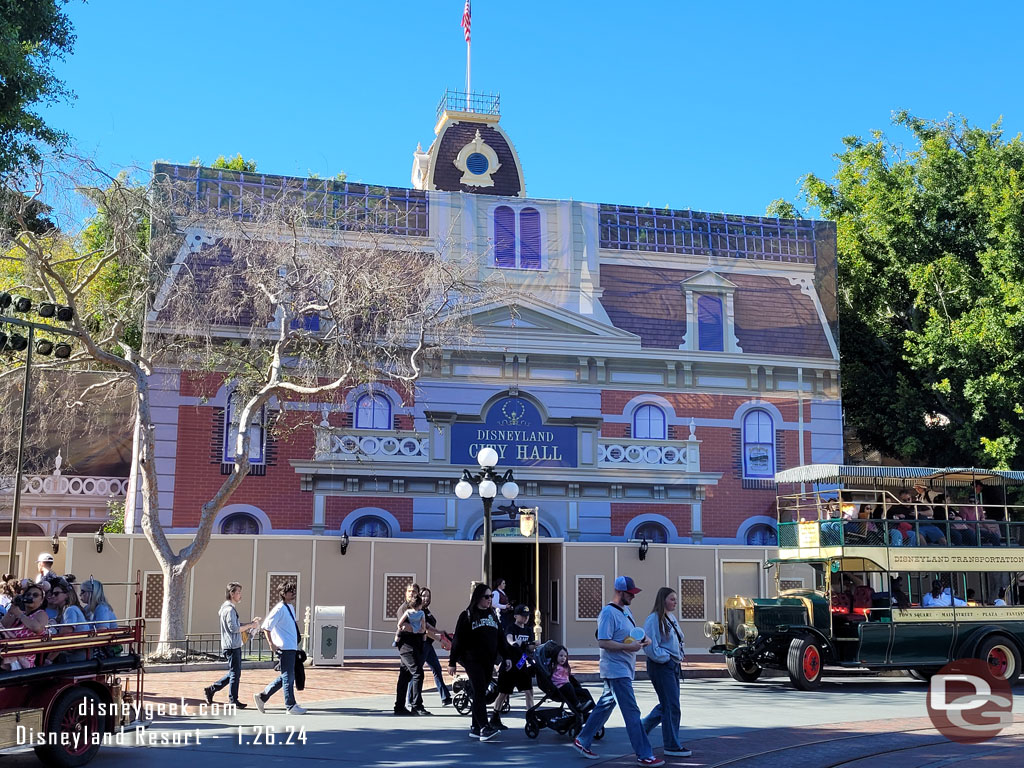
514, 561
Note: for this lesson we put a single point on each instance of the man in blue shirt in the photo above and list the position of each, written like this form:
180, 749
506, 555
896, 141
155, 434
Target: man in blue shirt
618, 659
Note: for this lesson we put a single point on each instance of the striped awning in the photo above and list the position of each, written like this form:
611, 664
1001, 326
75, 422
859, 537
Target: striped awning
933, 476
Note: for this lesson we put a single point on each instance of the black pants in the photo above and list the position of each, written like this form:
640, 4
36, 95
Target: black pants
479, 678
234, 657
410, 676
576, 696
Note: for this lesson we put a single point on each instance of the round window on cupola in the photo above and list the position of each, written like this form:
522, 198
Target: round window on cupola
476, 164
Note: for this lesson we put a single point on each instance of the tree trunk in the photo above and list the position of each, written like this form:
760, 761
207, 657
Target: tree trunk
173, 628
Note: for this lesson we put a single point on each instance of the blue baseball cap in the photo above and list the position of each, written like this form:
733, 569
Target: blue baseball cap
626, 584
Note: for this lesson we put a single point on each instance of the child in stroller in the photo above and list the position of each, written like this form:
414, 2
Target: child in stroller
555, 680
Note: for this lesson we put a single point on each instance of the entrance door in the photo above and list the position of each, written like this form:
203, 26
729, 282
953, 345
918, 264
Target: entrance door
515, 563
742, 579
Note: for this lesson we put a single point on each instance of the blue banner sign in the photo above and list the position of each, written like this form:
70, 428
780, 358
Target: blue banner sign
514, 429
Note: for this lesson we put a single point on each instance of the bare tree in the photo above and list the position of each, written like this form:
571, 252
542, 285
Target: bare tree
286, 295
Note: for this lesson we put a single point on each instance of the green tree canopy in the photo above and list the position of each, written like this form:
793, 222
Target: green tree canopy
33, 33
931, 284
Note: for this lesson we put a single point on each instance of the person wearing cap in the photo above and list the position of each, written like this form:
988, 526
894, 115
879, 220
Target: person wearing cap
516, 675
43, 564
618, 650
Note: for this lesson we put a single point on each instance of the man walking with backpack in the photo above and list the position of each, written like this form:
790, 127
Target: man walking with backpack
618, 660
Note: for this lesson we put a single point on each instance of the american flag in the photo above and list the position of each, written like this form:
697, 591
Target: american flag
467, 15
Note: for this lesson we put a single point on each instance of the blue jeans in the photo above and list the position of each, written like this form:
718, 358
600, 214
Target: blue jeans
618, 690
665, 678
285, 679
431, 660
234, 658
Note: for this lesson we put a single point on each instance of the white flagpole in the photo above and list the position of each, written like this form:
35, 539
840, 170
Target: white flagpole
467, 76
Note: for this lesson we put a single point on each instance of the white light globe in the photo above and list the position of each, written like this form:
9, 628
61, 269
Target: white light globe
488, 489
487, 457
463, 489
510, 490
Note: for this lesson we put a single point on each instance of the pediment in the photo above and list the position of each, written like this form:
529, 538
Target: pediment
708, 279
538, 318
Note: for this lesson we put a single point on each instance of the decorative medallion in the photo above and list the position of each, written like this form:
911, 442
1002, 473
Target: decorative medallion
478, 162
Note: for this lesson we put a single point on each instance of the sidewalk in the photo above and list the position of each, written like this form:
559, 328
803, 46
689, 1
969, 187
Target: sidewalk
360, 677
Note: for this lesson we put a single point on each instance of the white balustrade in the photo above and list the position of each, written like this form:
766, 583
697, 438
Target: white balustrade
67, 485
652, 454
334, 444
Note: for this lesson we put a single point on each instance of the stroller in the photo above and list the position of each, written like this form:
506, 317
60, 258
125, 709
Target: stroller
563, 719
463, 702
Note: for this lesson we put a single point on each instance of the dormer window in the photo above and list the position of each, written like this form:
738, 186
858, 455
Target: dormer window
517, 238
710, 313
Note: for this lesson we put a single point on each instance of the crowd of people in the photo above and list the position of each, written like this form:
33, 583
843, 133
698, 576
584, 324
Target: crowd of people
50, 604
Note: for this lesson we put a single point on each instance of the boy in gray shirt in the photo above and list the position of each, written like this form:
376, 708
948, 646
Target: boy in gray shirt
231, 644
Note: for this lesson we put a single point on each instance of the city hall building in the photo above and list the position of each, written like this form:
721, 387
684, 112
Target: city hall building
648, 374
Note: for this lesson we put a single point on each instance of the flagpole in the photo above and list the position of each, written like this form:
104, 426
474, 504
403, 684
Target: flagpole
467, 76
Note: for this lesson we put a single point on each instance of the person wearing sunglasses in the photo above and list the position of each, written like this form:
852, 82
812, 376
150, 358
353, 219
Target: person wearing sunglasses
26, 617
478, 645
69, 616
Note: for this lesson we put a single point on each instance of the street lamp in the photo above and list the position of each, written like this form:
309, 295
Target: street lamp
486, 481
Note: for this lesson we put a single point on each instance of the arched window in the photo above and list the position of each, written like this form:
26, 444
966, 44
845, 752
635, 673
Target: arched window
504, 237
240, 523
653, 532
372, 526
257, 432
762, 536
373, 412
710, 328
649, 423
529, 231
758, 444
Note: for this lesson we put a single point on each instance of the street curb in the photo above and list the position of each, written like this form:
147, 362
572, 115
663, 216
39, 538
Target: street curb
210, 666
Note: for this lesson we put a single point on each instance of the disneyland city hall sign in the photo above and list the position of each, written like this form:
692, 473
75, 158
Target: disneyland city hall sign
514, 429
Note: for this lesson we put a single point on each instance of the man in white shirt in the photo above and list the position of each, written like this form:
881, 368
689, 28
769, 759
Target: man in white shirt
941, 598
282, 632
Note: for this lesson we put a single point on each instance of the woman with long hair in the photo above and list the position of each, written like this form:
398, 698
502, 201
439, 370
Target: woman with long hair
69, 618
664, 666
25, 618
95, 605
477, 645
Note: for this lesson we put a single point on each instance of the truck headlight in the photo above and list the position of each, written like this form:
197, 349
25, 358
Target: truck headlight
713, 630
747, 632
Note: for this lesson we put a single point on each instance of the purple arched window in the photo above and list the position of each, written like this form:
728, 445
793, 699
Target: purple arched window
504, 237
529, 234
373, 412
758, 444
710, 329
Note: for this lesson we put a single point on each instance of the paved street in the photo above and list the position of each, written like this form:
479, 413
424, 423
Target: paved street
852, 722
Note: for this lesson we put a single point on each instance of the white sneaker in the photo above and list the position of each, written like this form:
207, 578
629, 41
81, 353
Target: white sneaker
295, 709
258, 700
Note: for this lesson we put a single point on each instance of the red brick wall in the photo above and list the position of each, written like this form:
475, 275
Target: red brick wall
200, 384
623, 512
198, 475
338, 507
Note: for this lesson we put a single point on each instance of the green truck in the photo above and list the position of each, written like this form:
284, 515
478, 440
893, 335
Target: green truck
914, 567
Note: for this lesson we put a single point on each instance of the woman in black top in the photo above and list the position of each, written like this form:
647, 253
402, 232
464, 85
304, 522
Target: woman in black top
477, 645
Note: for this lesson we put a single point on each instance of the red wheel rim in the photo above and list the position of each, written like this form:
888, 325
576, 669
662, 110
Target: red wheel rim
84, 726
812, 663
999, 662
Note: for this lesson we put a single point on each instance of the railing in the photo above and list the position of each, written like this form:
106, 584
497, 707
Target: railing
631, 228
460, 101
909, 533
72, 485
202, 648
339, 444
651, 454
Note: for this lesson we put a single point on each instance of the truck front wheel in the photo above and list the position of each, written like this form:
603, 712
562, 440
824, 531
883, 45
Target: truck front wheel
804, 663
75, 725
742, 670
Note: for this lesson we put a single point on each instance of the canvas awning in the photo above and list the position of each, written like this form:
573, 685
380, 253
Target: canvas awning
875, 475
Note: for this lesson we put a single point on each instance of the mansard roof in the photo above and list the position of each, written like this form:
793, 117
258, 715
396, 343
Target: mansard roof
774, 316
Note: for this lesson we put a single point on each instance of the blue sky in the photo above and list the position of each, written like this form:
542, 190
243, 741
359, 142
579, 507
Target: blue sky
714, 106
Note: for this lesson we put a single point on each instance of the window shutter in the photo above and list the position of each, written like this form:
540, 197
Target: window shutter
529, 232
504, 237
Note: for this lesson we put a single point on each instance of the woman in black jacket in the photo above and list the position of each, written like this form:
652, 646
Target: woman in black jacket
477, 646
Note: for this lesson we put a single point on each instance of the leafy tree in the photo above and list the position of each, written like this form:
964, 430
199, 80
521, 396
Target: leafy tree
236, 163
33, 33
931, 283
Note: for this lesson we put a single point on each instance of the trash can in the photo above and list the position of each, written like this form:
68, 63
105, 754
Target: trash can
329, 635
